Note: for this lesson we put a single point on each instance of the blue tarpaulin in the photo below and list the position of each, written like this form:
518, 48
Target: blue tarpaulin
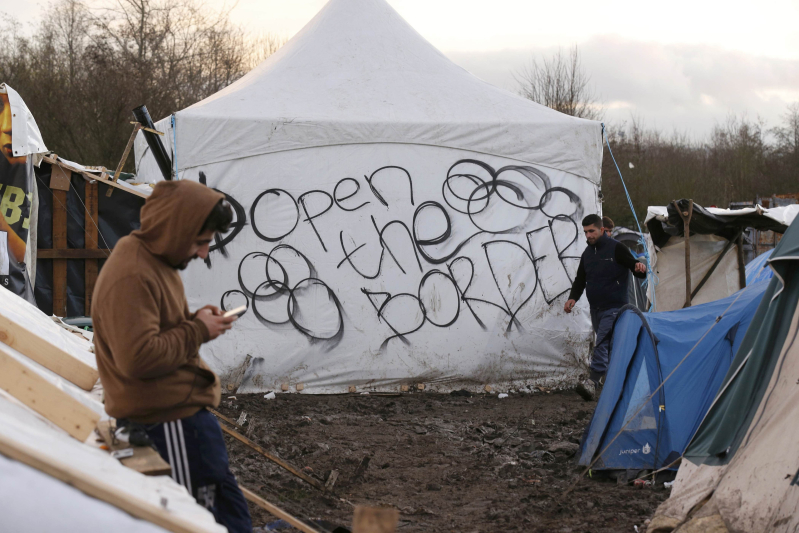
758, 269
646, 349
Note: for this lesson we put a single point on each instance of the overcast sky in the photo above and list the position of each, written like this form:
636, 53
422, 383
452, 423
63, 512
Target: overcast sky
682, 65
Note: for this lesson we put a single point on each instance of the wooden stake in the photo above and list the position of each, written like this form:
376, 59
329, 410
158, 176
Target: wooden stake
60, 241
241, 438
94, 487
375, 520
741, 265
44, 397
686, 220
91, 235
276, 511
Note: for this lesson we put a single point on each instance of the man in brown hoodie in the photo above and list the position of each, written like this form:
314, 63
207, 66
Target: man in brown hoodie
147, 343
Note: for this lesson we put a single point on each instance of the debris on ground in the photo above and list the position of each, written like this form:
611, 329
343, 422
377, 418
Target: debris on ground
447, 462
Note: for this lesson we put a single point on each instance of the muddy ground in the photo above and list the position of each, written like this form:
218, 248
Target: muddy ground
446, 462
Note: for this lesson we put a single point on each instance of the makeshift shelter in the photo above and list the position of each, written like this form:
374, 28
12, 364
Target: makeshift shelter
53, 474
399, 221
712, 266
741, 470
636, 428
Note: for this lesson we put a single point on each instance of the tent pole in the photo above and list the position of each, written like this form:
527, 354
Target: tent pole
686, 220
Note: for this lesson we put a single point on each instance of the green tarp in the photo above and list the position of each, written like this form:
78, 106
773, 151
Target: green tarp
728, 420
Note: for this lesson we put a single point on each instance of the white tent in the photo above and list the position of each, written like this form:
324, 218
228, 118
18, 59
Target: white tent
405, 221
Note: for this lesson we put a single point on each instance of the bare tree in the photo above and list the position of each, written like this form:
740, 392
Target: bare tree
560, 83
84, 68
787, 136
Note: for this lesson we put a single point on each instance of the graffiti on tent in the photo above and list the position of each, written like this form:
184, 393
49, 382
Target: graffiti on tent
484, 204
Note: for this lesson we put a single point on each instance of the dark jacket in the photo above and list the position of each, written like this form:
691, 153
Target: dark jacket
604, 273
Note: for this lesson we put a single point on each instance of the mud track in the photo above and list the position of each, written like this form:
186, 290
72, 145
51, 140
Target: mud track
448, 463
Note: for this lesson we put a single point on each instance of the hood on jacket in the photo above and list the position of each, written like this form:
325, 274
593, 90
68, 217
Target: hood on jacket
172, 218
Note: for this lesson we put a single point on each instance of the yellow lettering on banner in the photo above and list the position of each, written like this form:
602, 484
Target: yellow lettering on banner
12, 199
26, 224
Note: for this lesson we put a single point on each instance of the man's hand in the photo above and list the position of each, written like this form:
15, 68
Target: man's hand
216, 323
569, 306
640, 268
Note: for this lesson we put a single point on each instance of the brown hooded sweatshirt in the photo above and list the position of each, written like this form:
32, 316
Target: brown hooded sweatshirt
146, 341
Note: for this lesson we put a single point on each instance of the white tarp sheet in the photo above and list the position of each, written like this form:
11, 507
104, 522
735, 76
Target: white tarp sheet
399, 220
784, 214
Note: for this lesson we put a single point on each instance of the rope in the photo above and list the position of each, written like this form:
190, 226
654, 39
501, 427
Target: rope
649, 398
649, 271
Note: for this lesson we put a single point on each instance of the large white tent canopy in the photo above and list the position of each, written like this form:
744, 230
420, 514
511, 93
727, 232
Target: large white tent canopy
398, 219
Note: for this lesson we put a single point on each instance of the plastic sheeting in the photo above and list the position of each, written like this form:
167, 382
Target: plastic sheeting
27, 139
371, 266
119, 215
758, 269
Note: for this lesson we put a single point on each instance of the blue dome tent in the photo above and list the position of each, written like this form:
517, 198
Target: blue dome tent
630, 430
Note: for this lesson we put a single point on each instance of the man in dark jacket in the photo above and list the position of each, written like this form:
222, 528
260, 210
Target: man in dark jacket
604, 274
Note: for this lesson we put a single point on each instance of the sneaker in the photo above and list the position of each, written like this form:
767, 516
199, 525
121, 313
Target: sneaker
587, 390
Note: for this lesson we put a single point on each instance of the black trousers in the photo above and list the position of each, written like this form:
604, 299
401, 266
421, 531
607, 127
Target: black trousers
196, 451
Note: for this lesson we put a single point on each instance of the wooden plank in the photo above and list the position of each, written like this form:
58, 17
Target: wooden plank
276, 511
47, 354
375, 520
59, 241
741, 264
72, 253
144, 460
60, 178
44, 397
136, 129
686, 220
241, 438
91, 242
94, 487
95, 177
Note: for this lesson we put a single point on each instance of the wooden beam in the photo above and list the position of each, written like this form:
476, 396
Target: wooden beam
121, 164
241, 438
145, 459
276, 511
94, 486
91, 236
72, 253
44, 397
59, 241
102, 177
47, 354
375, 520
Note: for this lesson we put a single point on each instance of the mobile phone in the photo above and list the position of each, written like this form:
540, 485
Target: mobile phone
237, 312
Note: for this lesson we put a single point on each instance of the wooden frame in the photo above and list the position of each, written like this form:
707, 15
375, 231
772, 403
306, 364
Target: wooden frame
94, 487
44, 397
47, 354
